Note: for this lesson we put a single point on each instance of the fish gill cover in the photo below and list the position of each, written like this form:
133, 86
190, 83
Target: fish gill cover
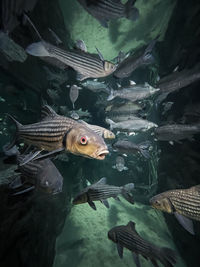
99, 125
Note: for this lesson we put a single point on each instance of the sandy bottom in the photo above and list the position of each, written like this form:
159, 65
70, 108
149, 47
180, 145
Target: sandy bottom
84, 242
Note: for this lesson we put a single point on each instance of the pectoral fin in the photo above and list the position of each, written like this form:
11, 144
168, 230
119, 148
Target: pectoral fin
185, 222
92, 205
105, 202
29, 157
47, 155
136, 259
120, 250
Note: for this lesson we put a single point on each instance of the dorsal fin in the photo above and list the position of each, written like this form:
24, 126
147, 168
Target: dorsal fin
102, 181
131, 226
47, 111
100, 55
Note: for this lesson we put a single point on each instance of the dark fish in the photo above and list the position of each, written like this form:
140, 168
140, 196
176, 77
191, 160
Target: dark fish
12, 11
176, 132
43, 174
101, 191
177, 80
56, 133
183, 203
127, 236
105, 10
126, 146
132, 63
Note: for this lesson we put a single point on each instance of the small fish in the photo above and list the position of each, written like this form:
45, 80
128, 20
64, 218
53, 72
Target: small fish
127, 236
126, 146
105, 10
135, 61
135, 124
133, 92
120, 164
74, 115
74, 93
86, 65
183, 203
57, 133
123, 109
101, 191
43, 174
96, 86
105, 133
176, 132
177, 80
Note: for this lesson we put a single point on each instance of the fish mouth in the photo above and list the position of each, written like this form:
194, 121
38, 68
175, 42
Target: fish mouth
101, 155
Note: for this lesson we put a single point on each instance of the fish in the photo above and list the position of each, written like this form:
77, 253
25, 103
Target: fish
183, 203
123, 109
177, 80
136, 61
128, 147
74, 93
120, 164
87, 65
176, 132
133, 92
42, 174
121, 117
100, 191
135, 124
105, 133
55, 133
96, 86
127, 236
106, 10
12, 11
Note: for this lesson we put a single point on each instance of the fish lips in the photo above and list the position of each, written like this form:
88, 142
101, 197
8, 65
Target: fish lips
102, 154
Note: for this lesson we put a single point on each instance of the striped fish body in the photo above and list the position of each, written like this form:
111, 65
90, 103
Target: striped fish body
183, 201
48, 134
87, 65
107, 134
103, 191
127, 236
108, 9
105, 10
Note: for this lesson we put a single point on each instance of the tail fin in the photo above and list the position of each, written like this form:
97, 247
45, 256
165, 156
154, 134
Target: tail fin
167, 257
111, 96
131, 12
144, 146
126, 192
37, 49
18, 126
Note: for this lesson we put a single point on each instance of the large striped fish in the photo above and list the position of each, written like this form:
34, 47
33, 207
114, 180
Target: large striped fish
56, 133
183, 203
87, 65
127, 236
101, 191
40, 174
105, 10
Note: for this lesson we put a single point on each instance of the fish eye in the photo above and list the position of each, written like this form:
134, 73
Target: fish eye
83, 140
